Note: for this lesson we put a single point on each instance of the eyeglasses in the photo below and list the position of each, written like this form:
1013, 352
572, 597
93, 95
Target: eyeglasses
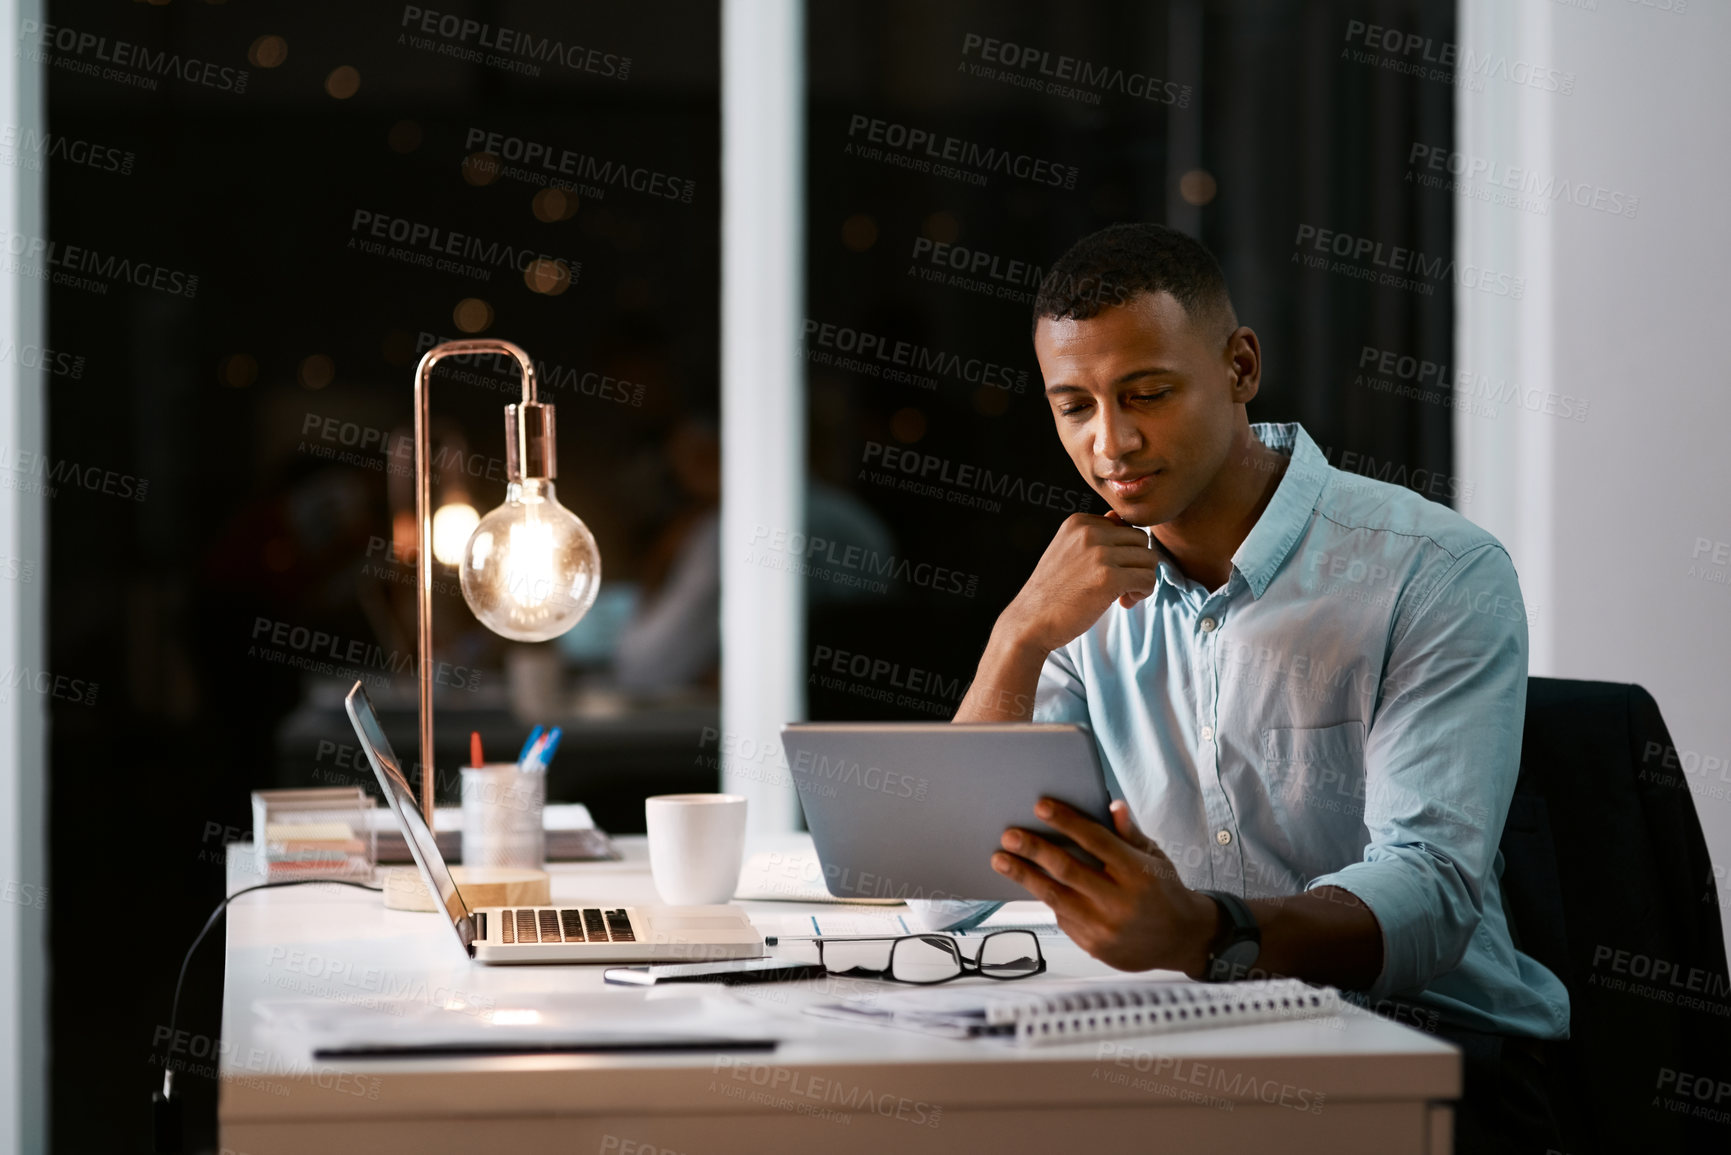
932, 958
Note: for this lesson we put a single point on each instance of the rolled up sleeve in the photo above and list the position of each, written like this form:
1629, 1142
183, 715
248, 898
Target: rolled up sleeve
1441, 758
1060, 695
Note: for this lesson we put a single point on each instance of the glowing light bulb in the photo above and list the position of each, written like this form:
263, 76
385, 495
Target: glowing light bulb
531, 569
529, 562
452, 525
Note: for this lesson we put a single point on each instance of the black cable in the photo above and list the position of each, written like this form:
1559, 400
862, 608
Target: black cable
174, 1011
167, 1121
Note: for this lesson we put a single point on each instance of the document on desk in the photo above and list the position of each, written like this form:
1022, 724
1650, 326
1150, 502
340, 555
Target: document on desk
513, 1025
791, 876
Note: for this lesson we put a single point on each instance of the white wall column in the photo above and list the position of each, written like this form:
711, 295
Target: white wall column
1605, 470
1509, 459
763, 442
23, 609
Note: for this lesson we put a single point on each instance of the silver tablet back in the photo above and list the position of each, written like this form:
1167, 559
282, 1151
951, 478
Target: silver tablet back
915, 809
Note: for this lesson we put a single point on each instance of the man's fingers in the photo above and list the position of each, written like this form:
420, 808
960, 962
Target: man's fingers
1102, 843
1055, 861
1132, 578
1039, 884
1136, 581
1113, 533
1133, 556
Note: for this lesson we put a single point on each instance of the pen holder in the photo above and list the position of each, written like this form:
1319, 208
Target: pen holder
503, 823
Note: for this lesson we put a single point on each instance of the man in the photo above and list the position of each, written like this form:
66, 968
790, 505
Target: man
1307, 687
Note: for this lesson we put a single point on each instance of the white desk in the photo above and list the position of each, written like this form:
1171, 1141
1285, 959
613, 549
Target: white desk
1370, 1085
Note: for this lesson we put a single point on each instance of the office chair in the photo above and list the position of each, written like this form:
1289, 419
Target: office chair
1607, 882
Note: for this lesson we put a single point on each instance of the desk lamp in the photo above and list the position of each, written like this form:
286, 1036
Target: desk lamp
530, 569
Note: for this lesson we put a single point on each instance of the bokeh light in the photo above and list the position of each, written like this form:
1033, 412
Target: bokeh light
943, 227
547, 277
481, 168
552, 204
908, 425
472, 315
859, 232
343, 82
1197, 187
238, 371
452, 525
317, 371
267, 51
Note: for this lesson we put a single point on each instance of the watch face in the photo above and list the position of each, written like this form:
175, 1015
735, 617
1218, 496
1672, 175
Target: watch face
1233, 963
1234, 959
1241, 953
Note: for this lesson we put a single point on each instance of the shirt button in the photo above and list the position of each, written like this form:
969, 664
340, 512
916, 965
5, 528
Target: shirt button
1207, 625
1223, 837
1208, 733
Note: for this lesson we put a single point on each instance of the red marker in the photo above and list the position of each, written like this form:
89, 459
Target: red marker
475, 759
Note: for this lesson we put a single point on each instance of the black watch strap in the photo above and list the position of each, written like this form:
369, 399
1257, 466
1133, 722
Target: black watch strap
1235, 949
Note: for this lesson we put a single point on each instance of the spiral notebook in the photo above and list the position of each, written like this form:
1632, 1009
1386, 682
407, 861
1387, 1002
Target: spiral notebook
1036, 1014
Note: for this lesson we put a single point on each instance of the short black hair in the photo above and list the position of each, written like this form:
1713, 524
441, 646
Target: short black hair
1120, 262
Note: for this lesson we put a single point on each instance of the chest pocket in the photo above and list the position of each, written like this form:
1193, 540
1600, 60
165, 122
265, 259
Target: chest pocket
1316, 788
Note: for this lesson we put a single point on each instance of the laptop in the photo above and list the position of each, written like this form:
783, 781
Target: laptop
549, 934
914, 810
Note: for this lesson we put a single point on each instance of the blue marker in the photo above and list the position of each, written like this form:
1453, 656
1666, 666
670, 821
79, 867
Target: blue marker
548, 749
523, 754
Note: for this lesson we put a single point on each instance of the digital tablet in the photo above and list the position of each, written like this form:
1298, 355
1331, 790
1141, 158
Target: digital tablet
915, 809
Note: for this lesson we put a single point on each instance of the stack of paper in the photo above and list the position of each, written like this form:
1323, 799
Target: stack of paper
314, 848
572, 835
316, 833
791, 876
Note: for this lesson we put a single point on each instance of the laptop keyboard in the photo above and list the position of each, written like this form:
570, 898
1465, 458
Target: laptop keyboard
580, 924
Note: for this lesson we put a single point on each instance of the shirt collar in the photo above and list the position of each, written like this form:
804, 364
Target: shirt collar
1288, 512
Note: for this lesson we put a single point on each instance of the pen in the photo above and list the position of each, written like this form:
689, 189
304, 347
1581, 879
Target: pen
475, 758
544, 753
552, 746
523, 754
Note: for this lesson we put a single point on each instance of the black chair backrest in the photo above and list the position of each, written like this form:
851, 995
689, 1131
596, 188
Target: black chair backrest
1607, 882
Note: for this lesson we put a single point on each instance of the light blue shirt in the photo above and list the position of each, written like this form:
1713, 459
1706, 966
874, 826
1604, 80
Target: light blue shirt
1345, 711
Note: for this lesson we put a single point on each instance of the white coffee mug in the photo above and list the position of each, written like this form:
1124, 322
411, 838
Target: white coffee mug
696, 846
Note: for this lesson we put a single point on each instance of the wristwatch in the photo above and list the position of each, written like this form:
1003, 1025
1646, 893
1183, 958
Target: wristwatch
1234, 949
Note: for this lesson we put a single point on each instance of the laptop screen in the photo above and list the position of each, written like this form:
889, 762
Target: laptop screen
401, 799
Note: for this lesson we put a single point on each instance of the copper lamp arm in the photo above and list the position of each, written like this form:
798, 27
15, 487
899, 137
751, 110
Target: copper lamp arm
424, 530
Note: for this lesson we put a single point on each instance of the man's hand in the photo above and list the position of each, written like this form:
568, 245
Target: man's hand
1091, 563
1132, 912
